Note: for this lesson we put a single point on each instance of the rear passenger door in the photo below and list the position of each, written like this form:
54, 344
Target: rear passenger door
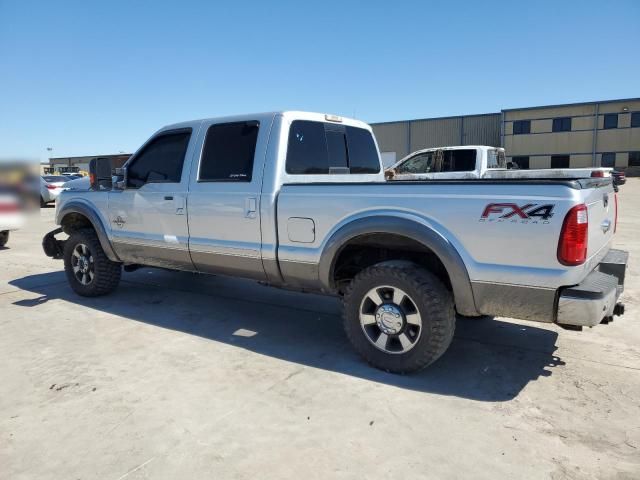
148, 218
224, 199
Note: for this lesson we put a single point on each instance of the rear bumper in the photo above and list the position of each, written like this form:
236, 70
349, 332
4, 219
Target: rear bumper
594, 299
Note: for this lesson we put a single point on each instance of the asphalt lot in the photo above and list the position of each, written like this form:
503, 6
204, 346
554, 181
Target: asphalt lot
178, 375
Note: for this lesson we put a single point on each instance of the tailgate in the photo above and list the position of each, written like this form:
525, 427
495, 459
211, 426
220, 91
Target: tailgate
601, 207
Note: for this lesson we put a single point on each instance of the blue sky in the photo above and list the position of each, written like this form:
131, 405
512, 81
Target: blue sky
99, 77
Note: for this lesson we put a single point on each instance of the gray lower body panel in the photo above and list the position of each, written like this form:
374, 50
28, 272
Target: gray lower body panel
585, 304
515, 301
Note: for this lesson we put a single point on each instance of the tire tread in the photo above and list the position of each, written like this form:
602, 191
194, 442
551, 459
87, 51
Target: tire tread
107, 273
436, 304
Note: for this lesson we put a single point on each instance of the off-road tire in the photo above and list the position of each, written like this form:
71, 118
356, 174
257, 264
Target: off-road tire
106, 273
433, 302
4, 238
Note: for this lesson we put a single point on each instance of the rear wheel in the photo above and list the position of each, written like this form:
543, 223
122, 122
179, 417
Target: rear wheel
89, 272
4, 238
399, 319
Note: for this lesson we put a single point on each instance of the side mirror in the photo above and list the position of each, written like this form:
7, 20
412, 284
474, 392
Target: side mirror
100, 174
120, 178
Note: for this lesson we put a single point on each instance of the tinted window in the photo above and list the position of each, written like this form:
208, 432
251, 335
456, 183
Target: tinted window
458, 161
521, 127
307, 149
160, 161
560, 161
363, 154
611, 120
562, 124
337, 148
321, 148
229, 149
634, 159
635, 119
421, 163
522, 162
608, 159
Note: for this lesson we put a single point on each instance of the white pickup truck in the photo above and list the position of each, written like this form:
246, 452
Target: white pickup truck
474, 162
299, 200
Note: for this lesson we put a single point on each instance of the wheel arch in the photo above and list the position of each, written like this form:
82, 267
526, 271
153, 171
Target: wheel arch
446, 254
76, 215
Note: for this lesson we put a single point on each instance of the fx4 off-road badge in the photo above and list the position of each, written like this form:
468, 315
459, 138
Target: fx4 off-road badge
511, 212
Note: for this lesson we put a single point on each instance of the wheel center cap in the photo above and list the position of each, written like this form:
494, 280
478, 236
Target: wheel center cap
83, 264
389, 318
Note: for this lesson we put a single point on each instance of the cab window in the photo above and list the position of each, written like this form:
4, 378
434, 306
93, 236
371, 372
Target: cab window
325, 148
421, 163
161, 161
229, 149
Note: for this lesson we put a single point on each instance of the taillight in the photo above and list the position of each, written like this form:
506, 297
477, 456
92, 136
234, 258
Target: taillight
615, 221
572, 247
597, 174
51, 187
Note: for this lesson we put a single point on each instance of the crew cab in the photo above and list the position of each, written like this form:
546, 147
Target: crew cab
299, 200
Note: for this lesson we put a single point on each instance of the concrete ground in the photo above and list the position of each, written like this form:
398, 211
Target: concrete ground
184, 376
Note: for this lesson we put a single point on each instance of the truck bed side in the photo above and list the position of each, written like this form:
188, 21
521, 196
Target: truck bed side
519, 251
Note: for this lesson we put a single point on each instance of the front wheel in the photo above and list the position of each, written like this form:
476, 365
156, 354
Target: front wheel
399, 319
4, 238
89, 272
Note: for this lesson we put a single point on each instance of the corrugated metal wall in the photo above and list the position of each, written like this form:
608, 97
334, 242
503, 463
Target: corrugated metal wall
435, 133
393, 137
482, 130
406, 137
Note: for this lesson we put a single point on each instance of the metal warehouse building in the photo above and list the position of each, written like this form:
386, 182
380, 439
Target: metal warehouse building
397, 139
605, 133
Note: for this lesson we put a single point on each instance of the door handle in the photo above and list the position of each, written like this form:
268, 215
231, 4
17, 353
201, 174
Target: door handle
250, 207
168, 197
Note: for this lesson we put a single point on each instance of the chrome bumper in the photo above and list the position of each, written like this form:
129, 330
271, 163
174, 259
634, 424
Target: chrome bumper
594, 299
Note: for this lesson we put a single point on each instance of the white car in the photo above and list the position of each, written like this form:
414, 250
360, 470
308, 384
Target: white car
11, 217
50, 188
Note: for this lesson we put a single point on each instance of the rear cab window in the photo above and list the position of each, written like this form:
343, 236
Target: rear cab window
315, 148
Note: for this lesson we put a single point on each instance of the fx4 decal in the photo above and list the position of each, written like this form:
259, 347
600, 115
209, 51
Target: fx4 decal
511, 212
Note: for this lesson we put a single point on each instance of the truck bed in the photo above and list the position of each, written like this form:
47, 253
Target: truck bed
521, 251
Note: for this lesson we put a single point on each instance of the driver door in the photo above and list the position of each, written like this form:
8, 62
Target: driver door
149, 217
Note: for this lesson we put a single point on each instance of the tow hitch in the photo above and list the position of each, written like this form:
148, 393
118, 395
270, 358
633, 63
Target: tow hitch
52, 247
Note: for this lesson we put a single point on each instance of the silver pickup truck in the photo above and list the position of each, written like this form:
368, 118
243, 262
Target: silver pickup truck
299, 200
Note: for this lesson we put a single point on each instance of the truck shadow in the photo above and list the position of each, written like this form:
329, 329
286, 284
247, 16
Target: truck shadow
489, 360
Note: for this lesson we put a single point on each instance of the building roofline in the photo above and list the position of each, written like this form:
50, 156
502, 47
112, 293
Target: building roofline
437, 118
578, 104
